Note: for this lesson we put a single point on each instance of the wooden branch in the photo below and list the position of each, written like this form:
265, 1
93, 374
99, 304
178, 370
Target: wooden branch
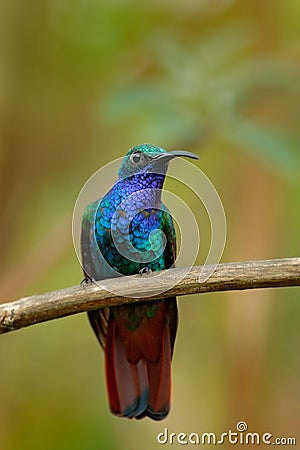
228, 276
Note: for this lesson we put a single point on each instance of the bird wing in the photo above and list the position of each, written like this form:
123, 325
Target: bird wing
94, 267
170, 254
169, 231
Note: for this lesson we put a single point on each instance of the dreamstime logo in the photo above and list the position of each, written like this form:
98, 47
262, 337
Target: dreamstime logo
241, 426
131, 205
230, 437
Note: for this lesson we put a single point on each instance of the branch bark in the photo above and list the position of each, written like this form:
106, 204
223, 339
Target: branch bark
173, 282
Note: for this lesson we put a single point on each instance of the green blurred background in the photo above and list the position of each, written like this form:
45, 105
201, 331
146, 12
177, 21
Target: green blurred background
82, 81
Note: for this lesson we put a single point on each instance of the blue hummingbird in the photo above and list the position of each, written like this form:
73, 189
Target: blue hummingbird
130, 231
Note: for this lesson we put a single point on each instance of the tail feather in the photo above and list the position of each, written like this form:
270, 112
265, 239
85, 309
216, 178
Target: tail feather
140, 388
160, 381
127, 383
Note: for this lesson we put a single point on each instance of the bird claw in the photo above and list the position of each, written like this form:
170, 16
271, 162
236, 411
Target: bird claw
86, 281
145, 271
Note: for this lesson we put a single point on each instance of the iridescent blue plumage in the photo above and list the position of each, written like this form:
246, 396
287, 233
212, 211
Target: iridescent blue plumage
129, 229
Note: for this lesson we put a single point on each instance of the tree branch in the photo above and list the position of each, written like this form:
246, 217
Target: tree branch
173, 282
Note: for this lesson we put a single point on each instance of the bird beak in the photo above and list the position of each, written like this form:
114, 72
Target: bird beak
182, 153
166, 157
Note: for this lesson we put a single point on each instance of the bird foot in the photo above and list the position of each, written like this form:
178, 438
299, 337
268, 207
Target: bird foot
86, 281
145, 271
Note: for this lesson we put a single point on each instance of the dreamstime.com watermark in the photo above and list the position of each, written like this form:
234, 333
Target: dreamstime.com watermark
240, 435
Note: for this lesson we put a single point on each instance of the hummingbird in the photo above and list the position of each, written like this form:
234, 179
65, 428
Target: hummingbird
130, 231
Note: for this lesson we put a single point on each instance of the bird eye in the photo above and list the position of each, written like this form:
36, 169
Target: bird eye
135, 157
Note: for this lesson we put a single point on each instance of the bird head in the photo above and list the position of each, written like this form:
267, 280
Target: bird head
148, 158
